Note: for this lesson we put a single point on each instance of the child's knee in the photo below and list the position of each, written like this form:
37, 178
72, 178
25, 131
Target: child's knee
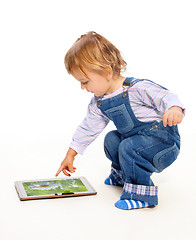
112, 138
126, 146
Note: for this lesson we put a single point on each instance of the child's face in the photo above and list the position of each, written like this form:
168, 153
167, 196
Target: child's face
95, 83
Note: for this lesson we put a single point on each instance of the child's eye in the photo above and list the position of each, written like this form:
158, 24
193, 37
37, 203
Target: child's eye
85, 83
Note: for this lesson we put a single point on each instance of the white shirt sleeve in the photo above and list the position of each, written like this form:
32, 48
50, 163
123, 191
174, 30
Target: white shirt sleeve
89, 129
159, 98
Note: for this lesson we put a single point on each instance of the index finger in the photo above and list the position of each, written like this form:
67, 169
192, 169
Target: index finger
59, 170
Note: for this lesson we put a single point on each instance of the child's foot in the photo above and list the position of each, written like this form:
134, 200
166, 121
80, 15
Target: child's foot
131, 204
109, 181
115, 178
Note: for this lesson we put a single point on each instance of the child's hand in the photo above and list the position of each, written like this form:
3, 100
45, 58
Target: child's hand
67, 163
172, 116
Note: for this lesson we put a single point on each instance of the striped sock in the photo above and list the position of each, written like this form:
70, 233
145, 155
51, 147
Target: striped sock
131, 204
109, 181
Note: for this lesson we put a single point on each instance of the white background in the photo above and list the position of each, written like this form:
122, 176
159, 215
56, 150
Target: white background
41, 105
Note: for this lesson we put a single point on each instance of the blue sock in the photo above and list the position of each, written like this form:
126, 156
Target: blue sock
115, 178
131, 204
109, 181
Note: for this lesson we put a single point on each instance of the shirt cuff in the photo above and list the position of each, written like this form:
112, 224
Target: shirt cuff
79, 149
177, 105
171, 101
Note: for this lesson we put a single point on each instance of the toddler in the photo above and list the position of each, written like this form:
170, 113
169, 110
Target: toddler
145, 114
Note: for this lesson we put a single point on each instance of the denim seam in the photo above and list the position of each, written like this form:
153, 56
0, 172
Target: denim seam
133, 168
138, 150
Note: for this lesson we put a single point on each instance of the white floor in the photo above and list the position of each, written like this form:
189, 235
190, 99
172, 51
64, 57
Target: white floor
93, 217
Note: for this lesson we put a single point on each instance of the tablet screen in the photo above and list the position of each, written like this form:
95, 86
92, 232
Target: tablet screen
54, 187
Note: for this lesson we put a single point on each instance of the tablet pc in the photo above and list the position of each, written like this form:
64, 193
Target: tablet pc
53, 188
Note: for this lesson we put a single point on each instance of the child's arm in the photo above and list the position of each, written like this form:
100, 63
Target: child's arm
67, 163
85, 134
89, 129
163, 105
172, 116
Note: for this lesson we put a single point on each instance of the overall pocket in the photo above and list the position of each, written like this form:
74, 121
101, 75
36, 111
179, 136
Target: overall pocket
166, 157
121, 118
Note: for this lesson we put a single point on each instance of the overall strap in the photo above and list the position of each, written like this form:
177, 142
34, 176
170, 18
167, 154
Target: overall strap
131, 81
128, 81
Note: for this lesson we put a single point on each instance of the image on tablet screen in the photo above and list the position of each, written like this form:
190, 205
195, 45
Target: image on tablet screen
66, 186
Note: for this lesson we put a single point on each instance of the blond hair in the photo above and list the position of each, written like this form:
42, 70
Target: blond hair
95, 53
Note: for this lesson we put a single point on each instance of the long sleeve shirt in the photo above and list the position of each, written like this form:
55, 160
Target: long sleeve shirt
148, 102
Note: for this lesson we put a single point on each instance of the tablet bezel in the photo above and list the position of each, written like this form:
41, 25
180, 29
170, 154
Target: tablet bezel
23, 196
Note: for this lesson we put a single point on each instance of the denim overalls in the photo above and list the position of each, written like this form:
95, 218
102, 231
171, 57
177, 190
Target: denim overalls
137, 149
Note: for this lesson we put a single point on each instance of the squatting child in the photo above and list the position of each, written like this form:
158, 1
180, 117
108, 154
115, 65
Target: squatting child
145, 114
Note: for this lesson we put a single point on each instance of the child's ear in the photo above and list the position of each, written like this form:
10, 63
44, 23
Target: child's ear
109, 73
